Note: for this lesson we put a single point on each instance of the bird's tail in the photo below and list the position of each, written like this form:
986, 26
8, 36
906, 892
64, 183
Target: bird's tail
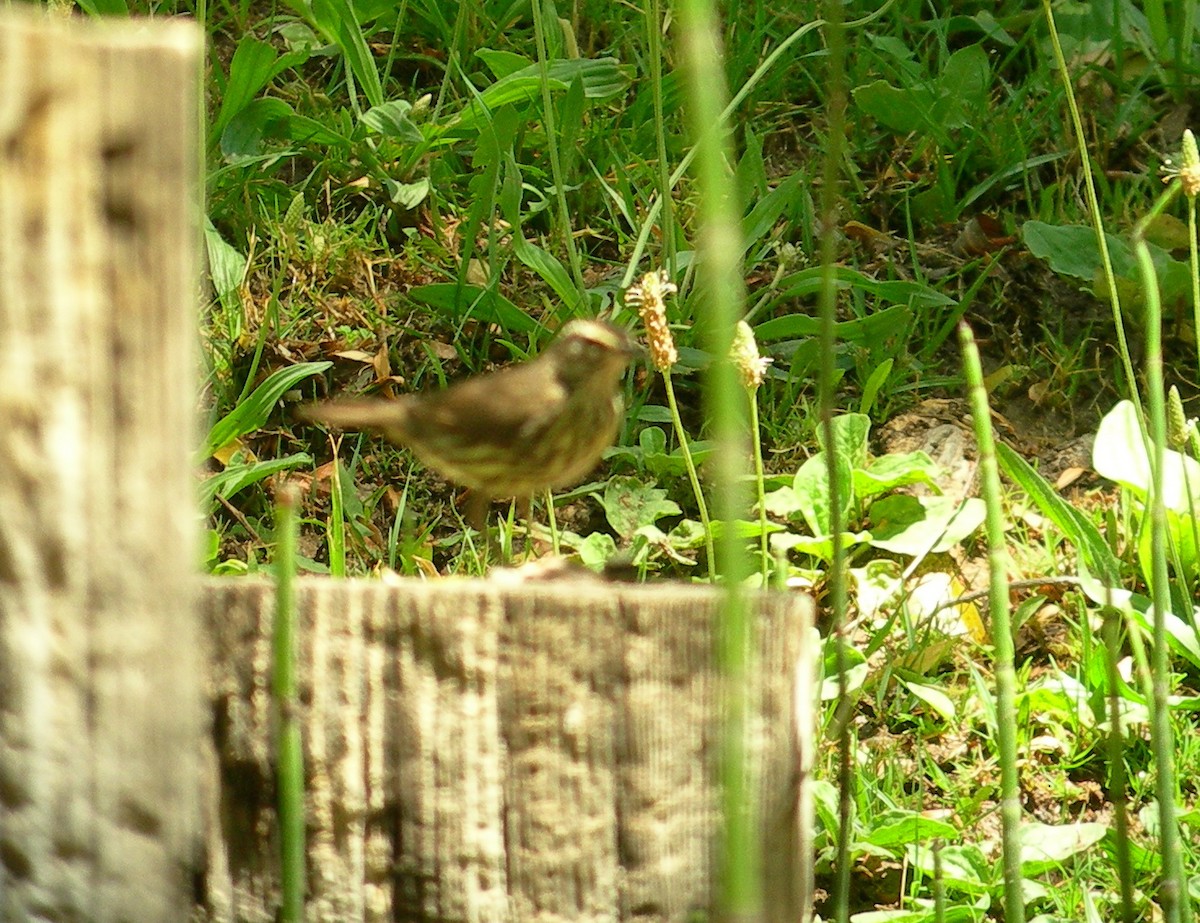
379, 415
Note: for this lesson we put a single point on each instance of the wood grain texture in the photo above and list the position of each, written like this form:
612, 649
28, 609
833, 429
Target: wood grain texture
474, 751
100, 711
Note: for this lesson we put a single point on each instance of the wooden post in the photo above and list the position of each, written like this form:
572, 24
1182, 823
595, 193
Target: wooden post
100, 703
498, 753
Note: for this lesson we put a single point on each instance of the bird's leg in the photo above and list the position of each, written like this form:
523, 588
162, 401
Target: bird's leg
476, 510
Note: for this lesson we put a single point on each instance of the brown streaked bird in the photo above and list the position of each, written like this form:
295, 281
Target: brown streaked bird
525, 428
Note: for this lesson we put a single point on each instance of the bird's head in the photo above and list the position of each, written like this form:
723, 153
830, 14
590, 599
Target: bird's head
596, 351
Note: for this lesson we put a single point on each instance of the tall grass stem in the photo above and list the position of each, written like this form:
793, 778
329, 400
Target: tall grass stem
721, 285
288, 745
835, 144
1002, 639
556, 170
1093, 200
693, 474
1173, 891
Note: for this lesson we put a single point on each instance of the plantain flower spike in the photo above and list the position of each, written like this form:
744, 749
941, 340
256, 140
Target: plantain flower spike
1178, 425
649, 296
743, 351
1189, 170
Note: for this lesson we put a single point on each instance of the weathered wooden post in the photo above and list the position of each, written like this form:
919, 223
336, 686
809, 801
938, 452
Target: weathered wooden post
100, 699
504, 753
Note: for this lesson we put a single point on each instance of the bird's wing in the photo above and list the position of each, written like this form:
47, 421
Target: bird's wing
501, 408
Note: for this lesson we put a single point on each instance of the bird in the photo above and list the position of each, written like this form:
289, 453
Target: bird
528, 427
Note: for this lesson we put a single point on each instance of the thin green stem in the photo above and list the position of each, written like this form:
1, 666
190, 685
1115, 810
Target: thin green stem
1002, 640
552, 522
760, 490
693, 475
1094, 206
722, 297
1194, 265
288, 744
654, 53
335, 540
556, 172
1173, 892
1117, 781
835, 143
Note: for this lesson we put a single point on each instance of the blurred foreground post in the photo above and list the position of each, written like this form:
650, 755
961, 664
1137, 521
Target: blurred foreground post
100, 704
490, 751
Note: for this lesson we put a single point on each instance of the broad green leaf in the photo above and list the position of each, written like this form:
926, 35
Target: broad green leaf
898, 50
687, 534
602, 78
596, 550
1119, 454
249, 71
252, 413
895, 291
309, 131
298, 37
811, 486
963, 867
989, 26
891, 471
1071, 250
550, 269
630, 504
896, 828
857, 668
968, 75
922, 525
873, 328
820, 547
654, 413
503, 63
1045, 848
878, 376
902, 110
1181, 637
226, 264
238, 477
653, 441
673, 464
407, 195
1182, 530
933, 697
782, 502
851, 436
459, 301
876, 585
391, 120
259, 119
571, 118
768, 209
651, 455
